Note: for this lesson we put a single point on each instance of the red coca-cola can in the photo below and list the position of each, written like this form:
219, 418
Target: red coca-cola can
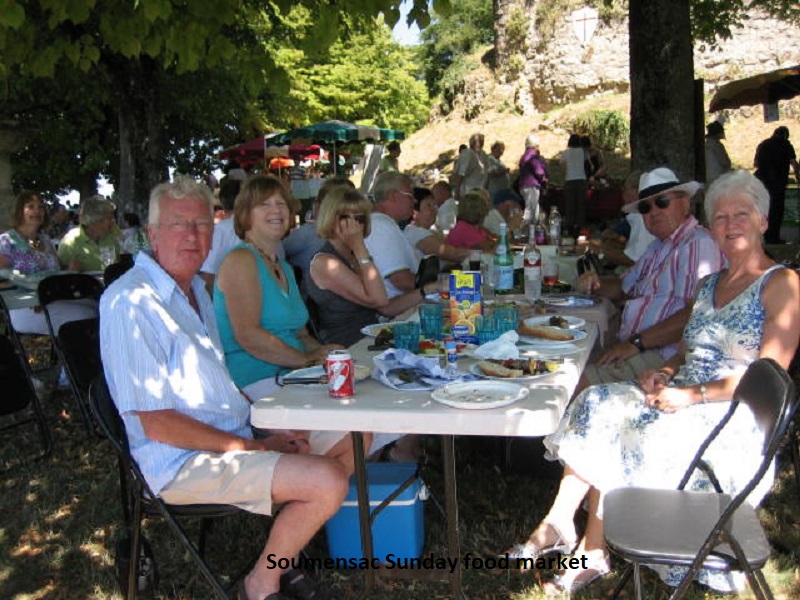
341, 376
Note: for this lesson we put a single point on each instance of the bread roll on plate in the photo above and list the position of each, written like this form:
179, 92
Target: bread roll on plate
495, 370
546, 332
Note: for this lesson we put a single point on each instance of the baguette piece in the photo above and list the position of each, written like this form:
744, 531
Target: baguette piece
546, 332
495, 370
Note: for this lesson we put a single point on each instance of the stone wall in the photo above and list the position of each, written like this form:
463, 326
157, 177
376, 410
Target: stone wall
565, 72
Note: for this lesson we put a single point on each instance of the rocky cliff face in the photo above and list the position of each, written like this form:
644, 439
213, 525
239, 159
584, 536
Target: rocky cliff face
565, 71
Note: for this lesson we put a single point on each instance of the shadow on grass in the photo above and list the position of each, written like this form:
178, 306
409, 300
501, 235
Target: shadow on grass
62, 517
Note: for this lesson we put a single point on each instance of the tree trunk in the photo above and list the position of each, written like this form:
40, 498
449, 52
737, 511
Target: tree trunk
514, 42
661, 74
142, 153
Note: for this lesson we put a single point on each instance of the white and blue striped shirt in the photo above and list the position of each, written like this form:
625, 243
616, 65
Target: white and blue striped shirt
158, 354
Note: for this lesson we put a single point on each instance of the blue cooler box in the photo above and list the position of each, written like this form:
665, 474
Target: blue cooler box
399, 529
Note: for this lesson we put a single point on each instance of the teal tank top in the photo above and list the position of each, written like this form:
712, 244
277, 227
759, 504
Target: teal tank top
283, 314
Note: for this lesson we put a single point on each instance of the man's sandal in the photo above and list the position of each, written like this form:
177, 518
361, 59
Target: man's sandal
531, 550
241, 593
296, 583
576, 579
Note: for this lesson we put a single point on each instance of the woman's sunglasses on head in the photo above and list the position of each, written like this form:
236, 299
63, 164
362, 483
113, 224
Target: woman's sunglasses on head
361, 217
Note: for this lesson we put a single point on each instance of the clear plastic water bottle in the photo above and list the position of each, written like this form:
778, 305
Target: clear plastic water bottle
533, 271
554, 224
503, 264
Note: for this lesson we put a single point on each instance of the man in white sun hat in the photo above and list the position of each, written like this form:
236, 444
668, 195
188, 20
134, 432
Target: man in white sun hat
659, 287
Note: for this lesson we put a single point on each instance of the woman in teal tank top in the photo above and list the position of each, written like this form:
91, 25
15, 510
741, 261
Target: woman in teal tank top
260, 314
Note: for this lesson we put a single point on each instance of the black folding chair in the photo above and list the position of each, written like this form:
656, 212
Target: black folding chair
77, 343
16, 381
115, 270
138, 500
701, 530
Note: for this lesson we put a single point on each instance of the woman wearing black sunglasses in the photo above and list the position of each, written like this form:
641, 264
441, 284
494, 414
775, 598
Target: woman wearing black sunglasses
344, 282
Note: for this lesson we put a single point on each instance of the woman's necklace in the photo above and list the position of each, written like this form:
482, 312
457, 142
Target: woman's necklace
35, 243
272, 263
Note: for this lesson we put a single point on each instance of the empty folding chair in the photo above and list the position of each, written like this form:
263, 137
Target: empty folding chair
16, 381
139, 500
77, 343
696, 529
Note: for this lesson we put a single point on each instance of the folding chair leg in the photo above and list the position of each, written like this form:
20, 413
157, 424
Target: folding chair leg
133, 562
637, 580
44, 430
623, 580
795, 443
764, 591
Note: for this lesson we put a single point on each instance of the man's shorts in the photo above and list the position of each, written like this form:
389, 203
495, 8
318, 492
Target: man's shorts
630, 369
238, 478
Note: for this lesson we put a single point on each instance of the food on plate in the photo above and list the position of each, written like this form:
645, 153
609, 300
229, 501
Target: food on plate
561, 287
515, 368
559, 321
384, 337
498, 370
547, 332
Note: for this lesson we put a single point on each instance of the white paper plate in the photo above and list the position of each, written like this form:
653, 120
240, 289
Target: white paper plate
544, 352
569, 301
577, 334
479, 395
574, 322
318, 371
375, 328
475, 370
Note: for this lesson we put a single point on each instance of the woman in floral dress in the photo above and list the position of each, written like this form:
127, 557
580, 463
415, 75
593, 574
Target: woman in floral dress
645, 433
26, 249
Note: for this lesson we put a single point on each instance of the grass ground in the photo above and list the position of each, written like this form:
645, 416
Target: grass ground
61, 518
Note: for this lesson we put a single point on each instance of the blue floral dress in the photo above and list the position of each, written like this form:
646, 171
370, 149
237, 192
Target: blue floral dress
611, 438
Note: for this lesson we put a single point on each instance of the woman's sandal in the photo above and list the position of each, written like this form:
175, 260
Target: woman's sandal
301, 586
241, 593
530, 550
577, 579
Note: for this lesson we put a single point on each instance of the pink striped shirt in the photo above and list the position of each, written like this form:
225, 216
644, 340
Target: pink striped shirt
665, 277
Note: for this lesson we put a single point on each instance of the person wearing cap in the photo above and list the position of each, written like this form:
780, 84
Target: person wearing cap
507, 209
659, 285
717, 159
773, 158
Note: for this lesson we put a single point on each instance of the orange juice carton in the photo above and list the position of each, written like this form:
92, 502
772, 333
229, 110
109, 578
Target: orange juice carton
465, 305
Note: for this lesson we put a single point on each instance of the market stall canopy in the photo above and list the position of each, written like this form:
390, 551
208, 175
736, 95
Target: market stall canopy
332, 132
764, 88
261, 148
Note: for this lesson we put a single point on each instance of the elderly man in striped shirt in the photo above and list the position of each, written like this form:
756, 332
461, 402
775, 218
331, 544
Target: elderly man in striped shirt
659, 288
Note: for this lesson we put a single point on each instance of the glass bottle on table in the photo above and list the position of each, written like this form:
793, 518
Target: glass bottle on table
503, 264
554, 226
533, 271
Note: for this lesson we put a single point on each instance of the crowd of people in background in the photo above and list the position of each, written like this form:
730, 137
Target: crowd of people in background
275, 294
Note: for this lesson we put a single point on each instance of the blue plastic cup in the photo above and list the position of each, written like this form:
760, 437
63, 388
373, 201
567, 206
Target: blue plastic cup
507, 317
486, 328
406, 336
431, 320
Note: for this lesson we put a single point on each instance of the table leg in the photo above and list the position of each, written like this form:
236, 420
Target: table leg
451, 509
363, 506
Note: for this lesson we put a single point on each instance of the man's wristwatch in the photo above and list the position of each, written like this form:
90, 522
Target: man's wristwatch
636, 340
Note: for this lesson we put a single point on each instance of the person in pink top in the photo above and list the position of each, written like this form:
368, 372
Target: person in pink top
468, 232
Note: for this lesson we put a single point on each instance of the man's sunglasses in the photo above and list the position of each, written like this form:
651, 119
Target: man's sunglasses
645, 206
361, 217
